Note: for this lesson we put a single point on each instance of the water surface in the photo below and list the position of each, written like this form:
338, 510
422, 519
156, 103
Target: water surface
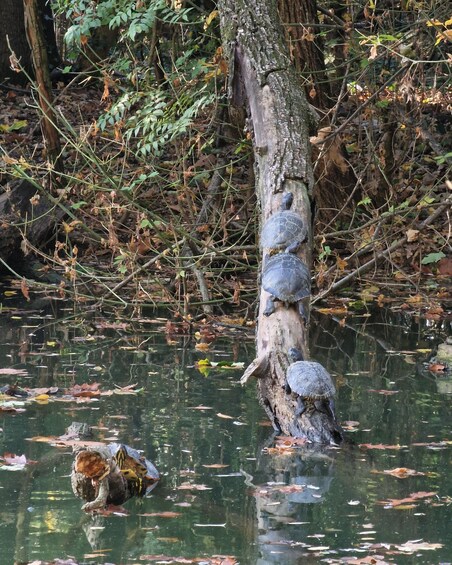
222, 491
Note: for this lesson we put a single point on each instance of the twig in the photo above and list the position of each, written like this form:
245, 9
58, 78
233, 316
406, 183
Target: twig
367, 266
142, 268
358, 111
190, 248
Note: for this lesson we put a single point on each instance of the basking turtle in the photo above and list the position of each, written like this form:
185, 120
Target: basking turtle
288, 280
108, 474
285, 230
311, 382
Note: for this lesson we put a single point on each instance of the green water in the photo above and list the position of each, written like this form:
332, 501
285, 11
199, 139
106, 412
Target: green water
335, 505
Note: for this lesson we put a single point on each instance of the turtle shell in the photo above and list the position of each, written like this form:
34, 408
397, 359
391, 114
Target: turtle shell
310, 379
282, 230
286, 277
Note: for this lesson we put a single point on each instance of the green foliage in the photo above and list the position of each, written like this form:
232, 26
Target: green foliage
132, 18
148, 114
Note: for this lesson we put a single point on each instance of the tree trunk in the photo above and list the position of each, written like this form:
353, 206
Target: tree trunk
306, 48
262, 76
12, 29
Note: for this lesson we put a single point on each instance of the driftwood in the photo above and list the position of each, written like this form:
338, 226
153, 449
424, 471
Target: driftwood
262, 78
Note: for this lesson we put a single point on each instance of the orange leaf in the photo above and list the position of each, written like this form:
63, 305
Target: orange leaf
24, 289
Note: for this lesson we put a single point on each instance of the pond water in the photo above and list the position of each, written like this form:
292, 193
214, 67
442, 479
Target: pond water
223, 492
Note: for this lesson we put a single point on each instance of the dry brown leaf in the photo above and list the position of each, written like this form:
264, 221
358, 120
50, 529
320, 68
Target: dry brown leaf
166, 514
216, 466
401, 472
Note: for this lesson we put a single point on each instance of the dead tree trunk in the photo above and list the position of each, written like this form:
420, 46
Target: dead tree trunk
263, 79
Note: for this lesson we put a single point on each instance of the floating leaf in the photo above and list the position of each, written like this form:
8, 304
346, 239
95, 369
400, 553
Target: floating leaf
401, 472
191, 486
10, 371
215, 466
411, 498
380, 446
418, 545
167, 514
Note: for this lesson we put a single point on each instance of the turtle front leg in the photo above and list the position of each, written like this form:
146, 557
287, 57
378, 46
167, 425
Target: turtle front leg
301, 407
101, 499
293, 247
270, 306
303, 312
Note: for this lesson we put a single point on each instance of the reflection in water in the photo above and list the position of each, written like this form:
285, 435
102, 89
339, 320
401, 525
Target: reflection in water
206, 434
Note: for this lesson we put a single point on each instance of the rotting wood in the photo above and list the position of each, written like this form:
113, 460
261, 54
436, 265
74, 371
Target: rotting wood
280, 122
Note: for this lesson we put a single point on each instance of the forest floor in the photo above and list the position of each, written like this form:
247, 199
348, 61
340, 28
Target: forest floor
130, 212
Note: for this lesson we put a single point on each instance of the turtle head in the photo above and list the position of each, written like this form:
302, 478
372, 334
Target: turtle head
286, 201
295, 354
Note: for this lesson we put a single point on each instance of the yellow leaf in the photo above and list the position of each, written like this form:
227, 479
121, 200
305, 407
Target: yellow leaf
42, 397
203, 363
210, 18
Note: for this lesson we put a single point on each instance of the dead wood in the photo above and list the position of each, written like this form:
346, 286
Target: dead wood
280, 122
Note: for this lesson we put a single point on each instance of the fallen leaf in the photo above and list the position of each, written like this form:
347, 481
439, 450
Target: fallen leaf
191, 486
384, 392
210, 525
380, 446
10, 371
215, 466
412, 546
401, 472
225, 416
437, 367
411, 498
166, 514
412, 235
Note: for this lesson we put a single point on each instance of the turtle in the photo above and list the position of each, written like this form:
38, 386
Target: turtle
288, 280
285, 230
312, 384
108, 473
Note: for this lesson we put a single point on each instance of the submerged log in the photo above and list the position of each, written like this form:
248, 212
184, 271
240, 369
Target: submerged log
263, 79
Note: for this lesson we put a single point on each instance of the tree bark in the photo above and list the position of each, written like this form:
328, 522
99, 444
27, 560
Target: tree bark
306, 48
262, 77
12, 29
35, 36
